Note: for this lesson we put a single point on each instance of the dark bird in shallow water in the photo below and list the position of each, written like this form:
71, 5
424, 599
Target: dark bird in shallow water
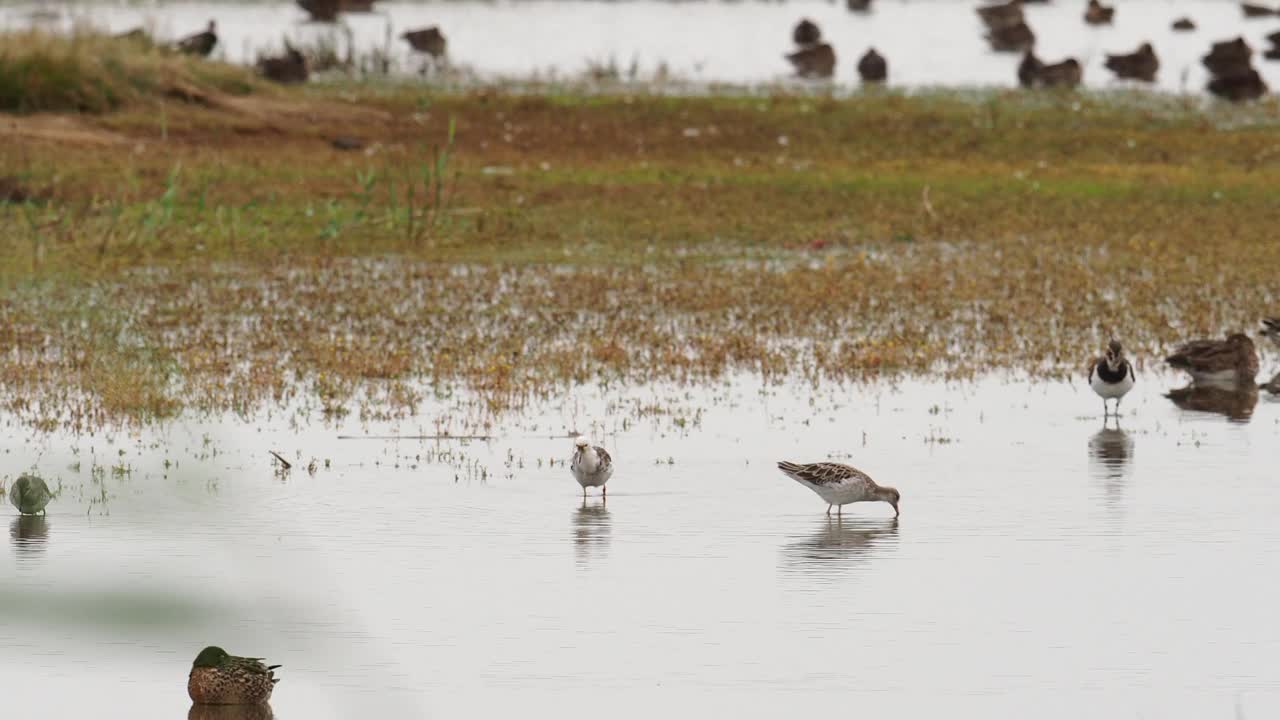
1004, 15
872, 67
1256, 11
1095, 13
427, 40
806, 33
218, 678
1232, 360
858, 5
1184, 24
1229, 57
30, 494
1012, 38
818, 61
1246, 85
1139, 65
1034, 73
202, 43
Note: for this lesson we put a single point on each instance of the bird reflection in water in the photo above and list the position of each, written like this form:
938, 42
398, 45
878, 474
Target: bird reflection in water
1110, 452
230, 712
1234, 401
29, 534
840, 540
591, 529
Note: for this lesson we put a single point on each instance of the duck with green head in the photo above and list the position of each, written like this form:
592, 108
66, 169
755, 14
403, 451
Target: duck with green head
218, 678
29, 494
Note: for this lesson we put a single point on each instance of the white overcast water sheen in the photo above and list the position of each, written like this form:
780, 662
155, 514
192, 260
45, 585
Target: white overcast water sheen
1039, 569
927, 42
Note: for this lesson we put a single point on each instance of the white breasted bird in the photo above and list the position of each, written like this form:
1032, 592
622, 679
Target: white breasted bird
1111, 376
591, 465
839, 484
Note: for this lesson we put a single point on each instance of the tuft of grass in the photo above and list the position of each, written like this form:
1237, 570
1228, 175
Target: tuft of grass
89, 72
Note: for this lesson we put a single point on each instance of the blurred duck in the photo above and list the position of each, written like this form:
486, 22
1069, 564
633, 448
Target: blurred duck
288, 68
1034, 73
321, 10
30, 494
1139, 65
202, 43
427, 40
1246, 85
806, 33
1004, 15
1095, 13
873, 68
1232, 360
858, 5
1011, 38
1229, 57
1184, 24
818, 61
1256, 11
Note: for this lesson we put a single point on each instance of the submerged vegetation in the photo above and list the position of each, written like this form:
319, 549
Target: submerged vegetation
347, 247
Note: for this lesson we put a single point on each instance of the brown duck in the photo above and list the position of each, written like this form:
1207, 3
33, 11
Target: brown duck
1139, 65
858, 5
427, 40
1034, 73
201, 43
218, 678
1256, 11
1003, 15
872, 67
806, 33
818, 61
1246, 85
1231, 360
1095, 13
1184, 24
1012, 38
289, 68
1229, 57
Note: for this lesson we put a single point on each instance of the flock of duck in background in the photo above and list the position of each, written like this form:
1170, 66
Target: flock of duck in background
1230, 62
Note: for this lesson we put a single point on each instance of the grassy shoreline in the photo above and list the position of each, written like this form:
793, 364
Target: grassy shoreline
225, 256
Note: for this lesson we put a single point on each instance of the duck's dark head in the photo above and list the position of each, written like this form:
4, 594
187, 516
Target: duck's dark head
212, 656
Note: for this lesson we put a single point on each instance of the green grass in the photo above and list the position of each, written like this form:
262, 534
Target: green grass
513, 244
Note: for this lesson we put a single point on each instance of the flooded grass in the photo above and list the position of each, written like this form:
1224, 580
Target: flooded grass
230, 257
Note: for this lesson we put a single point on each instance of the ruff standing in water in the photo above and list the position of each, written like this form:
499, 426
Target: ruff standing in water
29, 494
839, 484
221, 679
1111, 376
591, 466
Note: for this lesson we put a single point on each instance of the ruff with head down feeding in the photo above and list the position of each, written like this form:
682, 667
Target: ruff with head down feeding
839, 484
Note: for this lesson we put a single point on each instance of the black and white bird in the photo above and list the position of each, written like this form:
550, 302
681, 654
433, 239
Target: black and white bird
1111, 376
1271, 326
591, 466
839, 484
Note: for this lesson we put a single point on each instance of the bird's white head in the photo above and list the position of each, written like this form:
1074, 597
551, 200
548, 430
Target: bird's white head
581, 443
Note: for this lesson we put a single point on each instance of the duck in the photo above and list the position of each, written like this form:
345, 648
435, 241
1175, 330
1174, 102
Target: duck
1111, 376
1228, 57
858, 5
288, 68
30, 494
1184, 24
1034, 73
1141, 64
1003, 15
1095, 13
218, 678
806, 33
1256, 11
1011, 38
591, 466
201, 43
818, 61
325, 11
839, 484
872, 67
427, 40
1233, 359
1245, 85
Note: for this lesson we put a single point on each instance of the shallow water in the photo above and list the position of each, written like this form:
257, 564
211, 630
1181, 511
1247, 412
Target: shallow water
927, 42
1041, 562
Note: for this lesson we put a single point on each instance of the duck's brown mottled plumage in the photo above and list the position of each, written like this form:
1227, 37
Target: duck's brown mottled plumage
1234, 356
221, 679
